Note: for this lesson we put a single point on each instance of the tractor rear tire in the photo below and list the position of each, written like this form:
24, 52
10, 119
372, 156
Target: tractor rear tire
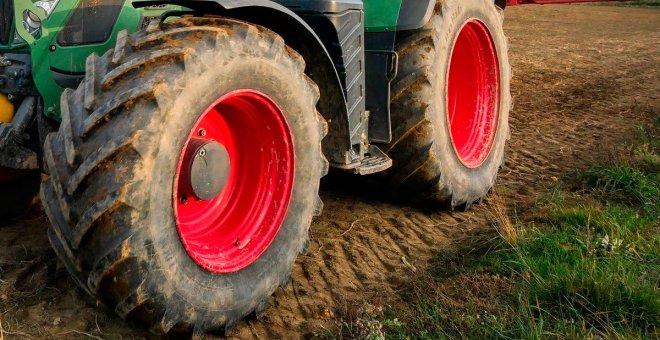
114, 197
455, 69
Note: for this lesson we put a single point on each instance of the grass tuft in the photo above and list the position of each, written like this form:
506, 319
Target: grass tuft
623, 183
505, 228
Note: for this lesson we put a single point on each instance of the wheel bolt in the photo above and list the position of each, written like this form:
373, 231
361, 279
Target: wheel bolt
201, 132
184, 199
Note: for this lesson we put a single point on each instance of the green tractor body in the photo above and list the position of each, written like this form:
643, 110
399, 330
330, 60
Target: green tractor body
62, 38
59, 43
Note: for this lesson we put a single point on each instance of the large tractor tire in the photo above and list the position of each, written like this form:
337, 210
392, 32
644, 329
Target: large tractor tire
18, 188
185, 174
450, 105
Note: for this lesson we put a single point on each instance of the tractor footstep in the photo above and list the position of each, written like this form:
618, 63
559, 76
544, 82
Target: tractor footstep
375, 160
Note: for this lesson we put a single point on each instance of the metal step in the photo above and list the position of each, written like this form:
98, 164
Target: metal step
375, 160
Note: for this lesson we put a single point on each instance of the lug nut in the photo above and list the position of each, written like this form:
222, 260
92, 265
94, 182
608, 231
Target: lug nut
201, 132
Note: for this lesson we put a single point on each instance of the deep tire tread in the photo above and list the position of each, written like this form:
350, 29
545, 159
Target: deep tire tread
108, 150
127, 67
91, 215
103, 112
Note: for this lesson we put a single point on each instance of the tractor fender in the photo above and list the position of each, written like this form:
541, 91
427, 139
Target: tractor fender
417, 13
301, 37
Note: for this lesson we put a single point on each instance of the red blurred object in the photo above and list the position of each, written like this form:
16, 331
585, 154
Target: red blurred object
542, 2
7, 175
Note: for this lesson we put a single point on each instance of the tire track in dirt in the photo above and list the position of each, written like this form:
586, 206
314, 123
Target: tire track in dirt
577, 91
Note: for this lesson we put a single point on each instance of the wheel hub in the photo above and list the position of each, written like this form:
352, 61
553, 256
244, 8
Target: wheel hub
206, 169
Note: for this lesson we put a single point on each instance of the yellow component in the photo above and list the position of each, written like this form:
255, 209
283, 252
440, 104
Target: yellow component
6, 109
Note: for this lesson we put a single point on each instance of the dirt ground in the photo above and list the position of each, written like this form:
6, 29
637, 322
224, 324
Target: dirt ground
584, 77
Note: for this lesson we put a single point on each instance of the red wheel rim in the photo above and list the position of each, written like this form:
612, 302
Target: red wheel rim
473, 93
229, 232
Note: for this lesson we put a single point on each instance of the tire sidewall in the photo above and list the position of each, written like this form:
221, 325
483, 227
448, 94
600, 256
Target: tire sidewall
243, 290
467, 184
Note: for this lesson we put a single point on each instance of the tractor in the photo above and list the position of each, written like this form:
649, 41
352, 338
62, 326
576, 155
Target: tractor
178, 145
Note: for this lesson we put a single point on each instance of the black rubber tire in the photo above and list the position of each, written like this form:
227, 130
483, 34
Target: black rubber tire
113, 160
17, 195
426, 167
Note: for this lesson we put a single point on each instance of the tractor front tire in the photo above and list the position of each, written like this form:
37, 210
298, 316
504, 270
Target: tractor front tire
450, 105
185, 174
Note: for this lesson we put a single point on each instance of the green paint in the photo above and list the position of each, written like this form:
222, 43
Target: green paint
381, 15
47, 53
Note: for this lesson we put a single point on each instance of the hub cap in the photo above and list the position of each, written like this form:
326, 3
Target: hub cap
234, 181
473, 93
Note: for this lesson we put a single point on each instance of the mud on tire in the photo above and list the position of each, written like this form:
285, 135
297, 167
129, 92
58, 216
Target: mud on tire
426, 166
113, 161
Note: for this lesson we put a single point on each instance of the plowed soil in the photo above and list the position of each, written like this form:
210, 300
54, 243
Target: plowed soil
584, 78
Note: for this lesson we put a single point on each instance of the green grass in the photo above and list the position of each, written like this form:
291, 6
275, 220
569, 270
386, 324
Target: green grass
599, 267
586, 265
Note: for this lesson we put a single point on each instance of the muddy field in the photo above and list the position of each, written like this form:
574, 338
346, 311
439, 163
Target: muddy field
584, 78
